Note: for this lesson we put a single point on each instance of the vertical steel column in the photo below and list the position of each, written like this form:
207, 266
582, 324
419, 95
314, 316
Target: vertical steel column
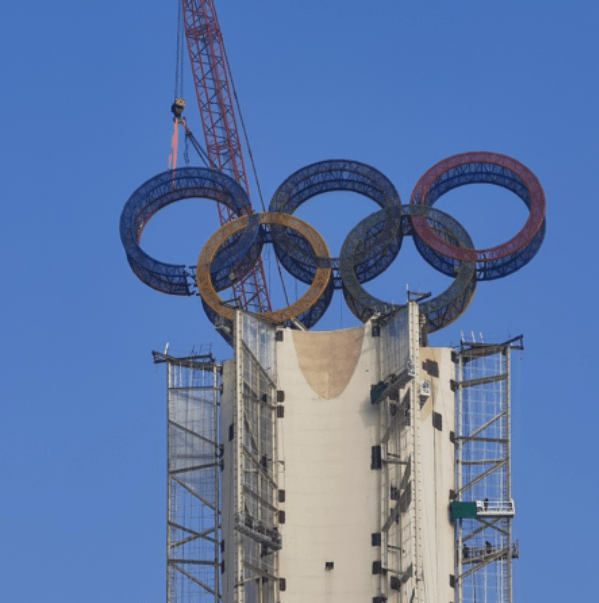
238, 459
168, 488
414, 318
255, 521
400, 463
508, 357
458, 475
484, 548
217, 481
193, 479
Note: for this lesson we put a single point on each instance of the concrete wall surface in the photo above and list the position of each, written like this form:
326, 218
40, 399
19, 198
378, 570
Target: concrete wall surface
438, 476
325, 440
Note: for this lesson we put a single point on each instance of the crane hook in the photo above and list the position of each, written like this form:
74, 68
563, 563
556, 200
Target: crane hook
177, 108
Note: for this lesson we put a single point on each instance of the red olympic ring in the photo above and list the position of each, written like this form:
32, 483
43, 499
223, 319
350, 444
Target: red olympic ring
433, 177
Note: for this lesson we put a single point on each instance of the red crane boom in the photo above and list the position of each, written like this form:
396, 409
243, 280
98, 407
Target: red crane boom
223, 145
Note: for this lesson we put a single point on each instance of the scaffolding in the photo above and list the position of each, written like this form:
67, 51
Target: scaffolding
253, 436
398, 457
483, 507
194, 451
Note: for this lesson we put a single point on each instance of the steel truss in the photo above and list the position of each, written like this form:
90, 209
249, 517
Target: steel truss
256, 520
401, 563
194, 489
484, 547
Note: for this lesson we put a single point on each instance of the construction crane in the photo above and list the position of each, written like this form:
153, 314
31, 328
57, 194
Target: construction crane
214, 90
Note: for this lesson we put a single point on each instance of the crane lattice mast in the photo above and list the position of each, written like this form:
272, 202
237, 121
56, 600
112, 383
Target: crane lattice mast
223, 145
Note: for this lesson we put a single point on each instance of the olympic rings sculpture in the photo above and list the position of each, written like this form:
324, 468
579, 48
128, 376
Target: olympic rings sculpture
368, 250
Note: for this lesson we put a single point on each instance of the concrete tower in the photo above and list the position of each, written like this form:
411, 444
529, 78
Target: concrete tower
339, 466
339, 447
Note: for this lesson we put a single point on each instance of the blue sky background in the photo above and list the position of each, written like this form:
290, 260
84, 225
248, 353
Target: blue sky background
85, 98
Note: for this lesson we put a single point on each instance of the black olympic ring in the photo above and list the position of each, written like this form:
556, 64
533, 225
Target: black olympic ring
367, 251
324, 177
441, 310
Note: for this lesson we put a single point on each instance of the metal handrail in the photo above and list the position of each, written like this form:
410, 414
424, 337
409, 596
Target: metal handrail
495, 507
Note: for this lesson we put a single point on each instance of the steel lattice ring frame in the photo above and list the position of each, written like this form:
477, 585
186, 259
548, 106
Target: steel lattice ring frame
167, 188
475, 168
308, 309
441, 310
322, 177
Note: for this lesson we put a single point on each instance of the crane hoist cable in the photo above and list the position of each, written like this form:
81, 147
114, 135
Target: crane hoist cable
189, 137
178, 104
177, 109
251, 154
198, 147
180, 53
245, 134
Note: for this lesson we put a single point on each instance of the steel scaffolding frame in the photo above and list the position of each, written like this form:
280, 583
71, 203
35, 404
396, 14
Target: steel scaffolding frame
194, 520
257, 538
401, 567
484, 547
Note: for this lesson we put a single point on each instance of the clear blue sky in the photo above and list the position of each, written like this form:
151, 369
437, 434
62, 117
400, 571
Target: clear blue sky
86, 91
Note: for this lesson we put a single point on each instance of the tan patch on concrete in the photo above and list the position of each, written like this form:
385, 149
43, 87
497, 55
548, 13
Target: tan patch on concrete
427, 409
328, 359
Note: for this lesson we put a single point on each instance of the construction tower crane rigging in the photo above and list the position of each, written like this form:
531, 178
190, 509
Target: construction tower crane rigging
219, 114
